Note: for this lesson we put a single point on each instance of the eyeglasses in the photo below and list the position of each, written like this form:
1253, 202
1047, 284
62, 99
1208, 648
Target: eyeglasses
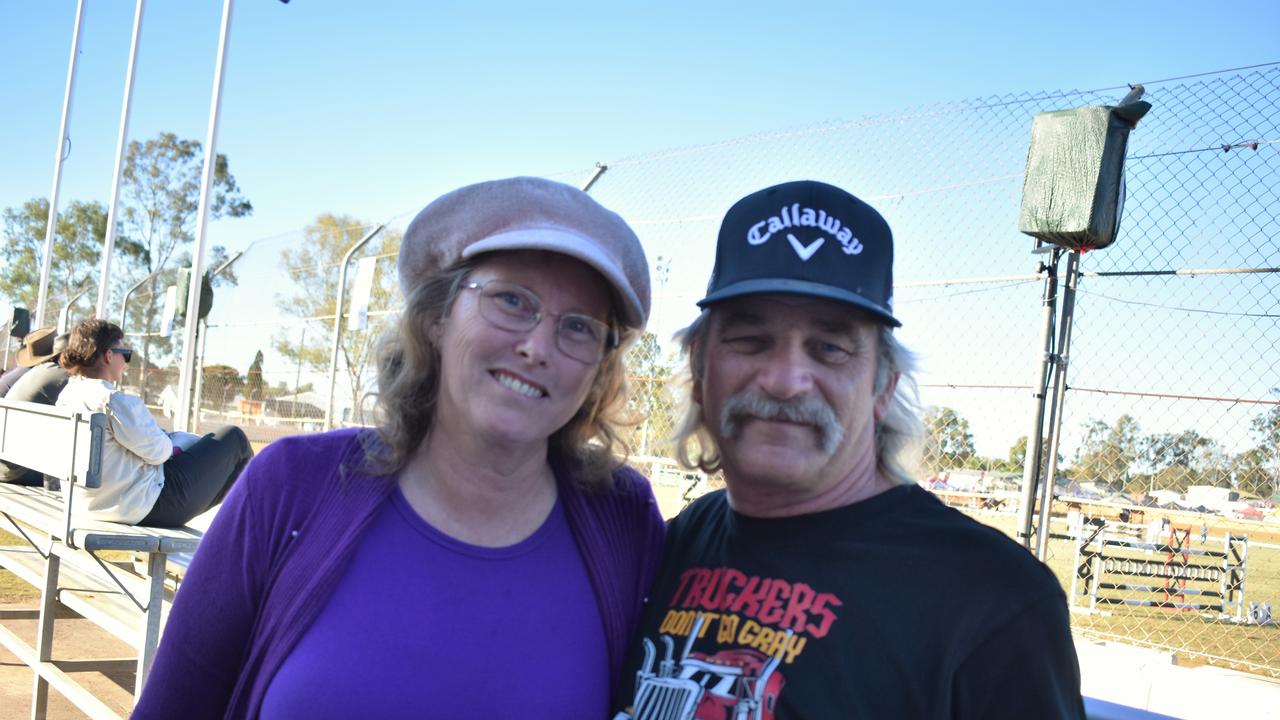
125, 353
516, 308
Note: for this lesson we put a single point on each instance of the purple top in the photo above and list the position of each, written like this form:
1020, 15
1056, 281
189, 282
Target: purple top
476, 632
280, 545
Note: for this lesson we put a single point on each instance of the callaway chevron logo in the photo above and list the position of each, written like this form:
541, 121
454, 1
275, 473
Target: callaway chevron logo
805, 251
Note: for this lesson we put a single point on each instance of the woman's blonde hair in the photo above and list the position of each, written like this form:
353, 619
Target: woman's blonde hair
407, 359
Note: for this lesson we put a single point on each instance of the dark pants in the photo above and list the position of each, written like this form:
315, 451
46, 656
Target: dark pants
200, 477
18, 475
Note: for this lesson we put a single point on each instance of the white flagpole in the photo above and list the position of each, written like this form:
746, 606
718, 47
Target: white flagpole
183, 417
46, 261
108, 242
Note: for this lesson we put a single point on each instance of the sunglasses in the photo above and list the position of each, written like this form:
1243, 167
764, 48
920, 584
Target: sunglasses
125, 353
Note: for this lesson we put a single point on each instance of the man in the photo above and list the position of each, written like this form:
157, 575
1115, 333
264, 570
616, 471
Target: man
823, 582
41, 384
10, 377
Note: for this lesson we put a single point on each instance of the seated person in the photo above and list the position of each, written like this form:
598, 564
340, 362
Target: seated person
11, 376
146, 479
40, 382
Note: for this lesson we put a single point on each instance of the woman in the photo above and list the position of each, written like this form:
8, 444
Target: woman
146, 478
482, 553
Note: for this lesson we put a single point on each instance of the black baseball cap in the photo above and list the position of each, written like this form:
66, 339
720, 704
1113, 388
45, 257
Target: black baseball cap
805, 238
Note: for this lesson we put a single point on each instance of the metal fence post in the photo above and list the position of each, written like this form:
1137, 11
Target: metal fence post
337, 321
1059, 395
1031, 461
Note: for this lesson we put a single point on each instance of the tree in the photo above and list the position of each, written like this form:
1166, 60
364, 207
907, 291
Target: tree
313, 266
160, 196
1254, 471
1258, 470
1266, 427
162, 193
649, 383
1168, 449
254, 385
77, 248
1018, 454
1179, 460
220, 385
1107, 452
948, 442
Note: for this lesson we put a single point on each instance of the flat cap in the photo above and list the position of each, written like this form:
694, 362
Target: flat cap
528, 213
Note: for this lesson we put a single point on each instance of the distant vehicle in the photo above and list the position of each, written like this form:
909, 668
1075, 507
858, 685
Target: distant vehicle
1249, 512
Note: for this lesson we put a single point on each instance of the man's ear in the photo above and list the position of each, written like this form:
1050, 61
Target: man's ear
881, 407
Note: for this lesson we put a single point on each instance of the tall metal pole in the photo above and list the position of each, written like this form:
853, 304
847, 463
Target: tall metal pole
1032, 461
202, 227
1059, 395
302, 346
109, 241
124, 304
42, 295
595, 175
195, 402
65, 314
203, 336
337, 322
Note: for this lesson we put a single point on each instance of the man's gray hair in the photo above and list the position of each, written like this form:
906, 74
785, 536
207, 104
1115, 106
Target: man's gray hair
897, 434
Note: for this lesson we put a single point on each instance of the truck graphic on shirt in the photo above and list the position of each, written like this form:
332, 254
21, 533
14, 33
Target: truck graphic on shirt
736, 684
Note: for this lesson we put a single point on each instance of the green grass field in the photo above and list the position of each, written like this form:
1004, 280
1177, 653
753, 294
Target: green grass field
1195, 639
13, 590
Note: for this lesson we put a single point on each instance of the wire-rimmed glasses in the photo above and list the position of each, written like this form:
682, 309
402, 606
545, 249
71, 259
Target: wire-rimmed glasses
516, 308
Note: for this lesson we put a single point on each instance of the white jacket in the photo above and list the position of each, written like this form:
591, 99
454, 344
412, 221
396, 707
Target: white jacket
133, 452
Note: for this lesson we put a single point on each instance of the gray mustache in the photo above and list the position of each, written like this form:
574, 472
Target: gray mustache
812, 411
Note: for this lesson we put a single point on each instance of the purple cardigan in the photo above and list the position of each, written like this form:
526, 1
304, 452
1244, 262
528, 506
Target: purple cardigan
280, 543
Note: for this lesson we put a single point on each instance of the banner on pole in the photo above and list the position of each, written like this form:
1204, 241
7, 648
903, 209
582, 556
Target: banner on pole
170, 311
360, 293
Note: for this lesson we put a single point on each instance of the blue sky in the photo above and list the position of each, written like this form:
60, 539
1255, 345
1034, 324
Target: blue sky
373, 109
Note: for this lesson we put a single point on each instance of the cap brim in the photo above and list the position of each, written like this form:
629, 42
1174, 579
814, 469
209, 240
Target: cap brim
565, 242
799, 287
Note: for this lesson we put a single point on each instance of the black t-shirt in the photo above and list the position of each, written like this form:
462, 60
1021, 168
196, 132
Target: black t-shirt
894, 607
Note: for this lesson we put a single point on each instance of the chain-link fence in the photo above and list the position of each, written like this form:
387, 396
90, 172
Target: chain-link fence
1170, 443
268, 353
1170, 429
